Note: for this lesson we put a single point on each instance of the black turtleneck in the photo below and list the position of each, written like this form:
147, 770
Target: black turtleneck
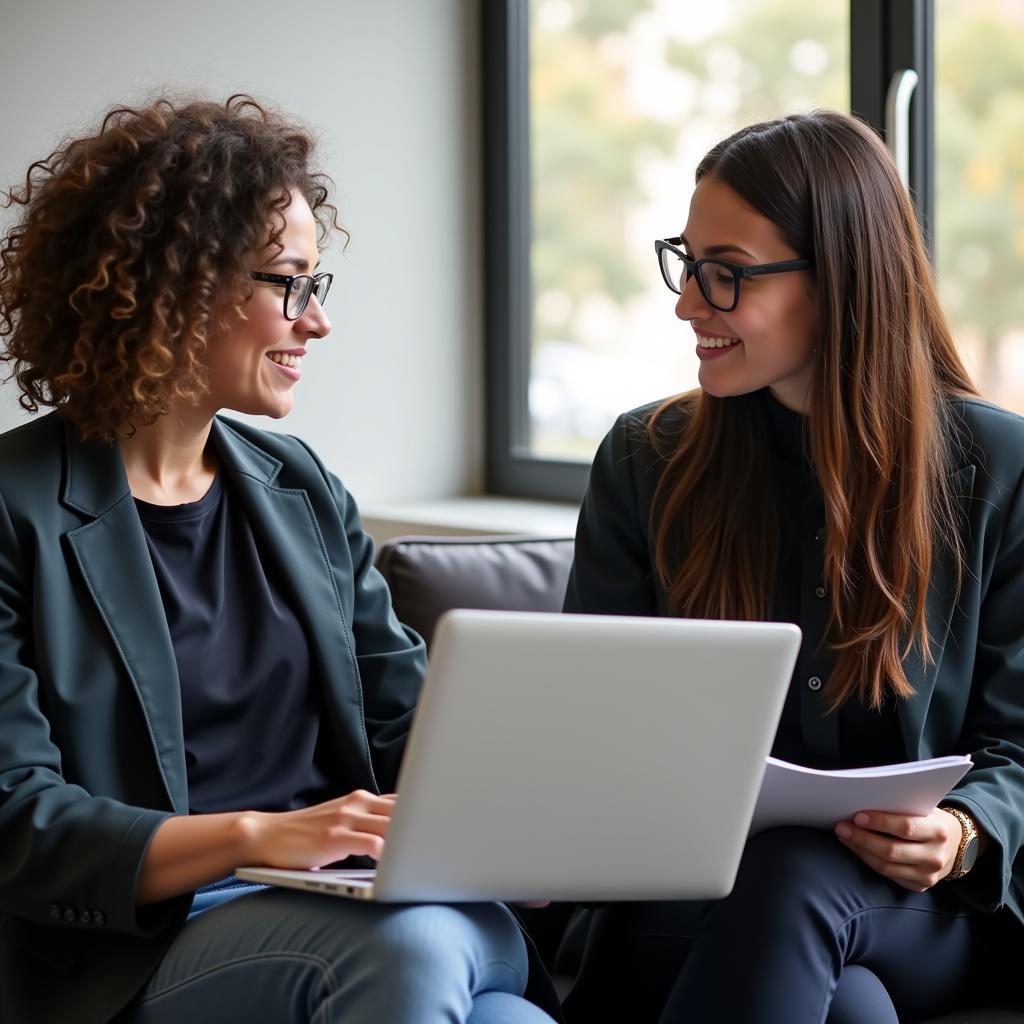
807, 733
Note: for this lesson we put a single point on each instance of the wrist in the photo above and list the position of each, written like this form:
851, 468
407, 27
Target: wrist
969, 846
191, 850
247, 837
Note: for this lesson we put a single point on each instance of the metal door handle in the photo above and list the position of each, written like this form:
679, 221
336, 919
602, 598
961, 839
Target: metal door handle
897, 120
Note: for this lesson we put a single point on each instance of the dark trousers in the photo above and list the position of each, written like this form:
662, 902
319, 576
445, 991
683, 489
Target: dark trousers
809, 934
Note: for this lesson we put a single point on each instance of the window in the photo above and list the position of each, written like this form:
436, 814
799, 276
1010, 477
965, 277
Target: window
596, 113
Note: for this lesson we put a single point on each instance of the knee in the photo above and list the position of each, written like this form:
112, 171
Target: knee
458, 941
859, 996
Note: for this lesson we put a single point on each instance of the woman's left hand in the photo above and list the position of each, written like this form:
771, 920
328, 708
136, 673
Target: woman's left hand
914, 852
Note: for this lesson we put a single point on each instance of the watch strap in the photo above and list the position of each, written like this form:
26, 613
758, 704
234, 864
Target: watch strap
970, 831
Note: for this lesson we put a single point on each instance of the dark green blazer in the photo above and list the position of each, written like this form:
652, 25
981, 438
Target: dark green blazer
970, 701
91, 750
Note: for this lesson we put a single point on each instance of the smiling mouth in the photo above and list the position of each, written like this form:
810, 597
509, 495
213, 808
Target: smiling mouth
283, 359
704, 341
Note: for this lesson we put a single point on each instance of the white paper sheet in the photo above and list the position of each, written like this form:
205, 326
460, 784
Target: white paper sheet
793, 795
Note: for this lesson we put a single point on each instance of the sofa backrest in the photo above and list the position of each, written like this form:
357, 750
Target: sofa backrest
429, 575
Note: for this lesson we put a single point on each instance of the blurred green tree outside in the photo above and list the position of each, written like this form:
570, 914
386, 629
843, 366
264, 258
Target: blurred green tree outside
586, 142
766, 39
979, 221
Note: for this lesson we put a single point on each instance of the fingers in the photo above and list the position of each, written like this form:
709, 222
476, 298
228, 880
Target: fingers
909, 827
349, 820
910, 876
372, 802
355, 844
359, 801
913, 851
352, 825
359, 823
885, 848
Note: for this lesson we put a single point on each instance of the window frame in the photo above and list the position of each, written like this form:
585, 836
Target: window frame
885, 37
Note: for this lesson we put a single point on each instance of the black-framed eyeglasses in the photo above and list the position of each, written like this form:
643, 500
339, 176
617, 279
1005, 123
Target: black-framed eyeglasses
298, 289
718, 280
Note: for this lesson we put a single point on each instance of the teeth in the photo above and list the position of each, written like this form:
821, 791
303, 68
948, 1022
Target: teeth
284, 359
706, 342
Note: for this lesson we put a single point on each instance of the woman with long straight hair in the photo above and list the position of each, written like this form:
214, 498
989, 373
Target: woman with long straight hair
835, 469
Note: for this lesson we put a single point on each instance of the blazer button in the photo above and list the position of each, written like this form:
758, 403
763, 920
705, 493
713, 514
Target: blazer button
98, 917
69, 915
55, 912
814, 683
84, 917
820, 591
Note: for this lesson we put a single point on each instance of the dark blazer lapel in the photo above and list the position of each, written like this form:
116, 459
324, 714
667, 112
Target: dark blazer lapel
939, 609
286, 528
112, 556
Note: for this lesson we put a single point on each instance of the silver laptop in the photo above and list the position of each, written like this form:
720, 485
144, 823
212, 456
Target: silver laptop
577, 757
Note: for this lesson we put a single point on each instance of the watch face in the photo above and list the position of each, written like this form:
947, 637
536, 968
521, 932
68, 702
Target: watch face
970, 854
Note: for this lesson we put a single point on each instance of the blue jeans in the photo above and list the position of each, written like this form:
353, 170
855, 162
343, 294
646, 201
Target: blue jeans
809, 934
279, 956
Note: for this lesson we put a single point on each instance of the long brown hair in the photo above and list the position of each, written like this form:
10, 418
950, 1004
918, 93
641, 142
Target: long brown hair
133, 251
886, 367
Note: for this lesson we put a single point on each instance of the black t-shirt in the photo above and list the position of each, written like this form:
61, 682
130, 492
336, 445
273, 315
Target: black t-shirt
251, 707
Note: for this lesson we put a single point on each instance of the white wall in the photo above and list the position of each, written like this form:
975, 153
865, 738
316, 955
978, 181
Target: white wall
391, 399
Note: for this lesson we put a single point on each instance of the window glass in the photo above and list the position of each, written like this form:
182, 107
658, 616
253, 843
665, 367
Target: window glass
979, 206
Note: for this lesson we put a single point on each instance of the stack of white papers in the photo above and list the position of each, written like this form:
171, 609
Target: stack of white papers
793, 795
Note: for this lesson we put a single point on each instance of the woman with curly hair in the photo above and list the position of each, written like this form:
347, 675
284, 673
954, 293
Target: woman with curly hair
835, 469
199, 665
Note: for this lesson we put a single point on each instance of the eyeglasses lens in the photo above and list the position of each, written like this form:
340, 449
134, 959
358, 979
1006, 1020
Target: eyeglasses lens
298, 296
719, 284
323, 286
673, 270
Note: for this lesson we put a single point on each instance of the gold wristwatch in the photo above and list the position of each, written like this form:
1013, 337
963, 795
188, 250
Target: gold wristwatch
970, 844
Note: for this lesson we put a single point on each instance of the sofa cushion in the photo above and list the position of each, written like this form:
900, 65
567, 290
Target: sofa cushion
429, 575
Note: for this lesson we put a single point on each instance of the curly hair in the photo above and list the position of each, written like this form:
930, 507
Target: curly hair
133, 250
